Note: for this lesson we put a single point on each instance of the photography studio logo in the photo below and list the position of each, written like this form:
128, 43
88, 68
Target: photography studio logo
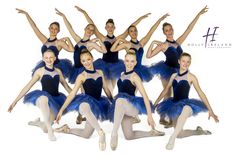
210, 40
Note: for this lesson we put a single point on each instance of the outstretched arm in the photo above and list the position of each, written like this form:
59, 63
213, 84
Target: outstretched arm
90, 21
204, 98
97, 45
34, 79
165, 90
142, 91
38, 33
152, 52
70, 97
181, 39
144, 40
69, 26
125, 34
63, 82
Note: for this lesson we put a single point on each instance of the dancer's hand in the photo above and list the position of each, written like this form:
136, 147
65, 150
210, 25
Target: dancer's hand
164, 16
151, 122
204, 10
22, 11
215, 117
145, 16
11, 107
58, 117
59, 12
80, 9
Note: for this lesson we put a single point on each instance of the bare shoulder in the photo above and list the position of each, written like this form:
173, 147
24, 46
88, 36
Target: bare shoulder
100, 72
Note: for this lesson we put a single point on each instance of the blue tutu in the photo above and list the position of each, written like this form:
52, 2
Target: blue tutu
137, 102
55, 102
110, 70
143, 72
74, 73
98, 107
64, 65
163, 70
173, 109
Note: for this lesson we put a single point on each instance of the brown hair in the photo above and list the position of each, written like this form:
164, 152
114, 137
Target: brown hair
56, 23
131, 26
110, 21
85, 51
164, 25
185, 54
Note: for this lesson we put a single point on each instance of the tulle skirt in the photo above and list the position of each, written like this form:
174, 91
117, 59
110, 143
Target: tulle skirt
64, 65
98, 107
54, 102
110, 70
173, 109
144, 72
74, 73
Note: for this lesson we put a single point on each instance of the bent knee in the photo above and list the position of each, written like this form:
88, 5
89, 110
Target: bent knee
84, 108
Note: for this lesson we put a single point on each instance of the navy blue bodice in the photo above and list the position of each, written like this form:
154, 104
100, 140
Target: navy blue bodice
181, 88
139, 51
173, 54
77, 52
125, 85
50, 44
50, 81
93, 87
110, 57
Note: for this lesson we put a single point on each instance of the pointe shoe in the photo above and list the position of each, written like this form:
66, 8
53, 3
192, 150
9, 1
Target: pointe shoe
63, 129
102, 140
203, 132
169, 146
155, 132
52, 138
32, 123
114, 142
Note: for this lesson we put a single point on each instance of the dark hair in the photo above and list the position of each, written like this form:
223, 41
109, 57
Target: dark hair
85, 51
164, 25
185, 54
56, 23
48, 50
131, 26
110, 21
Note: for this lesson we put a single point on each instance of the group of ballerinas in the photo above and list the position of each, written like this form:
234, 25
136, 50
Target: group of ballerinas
91, 76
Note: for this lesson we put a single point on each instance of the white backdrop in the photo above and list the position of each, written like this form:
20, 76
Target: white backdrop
20, 50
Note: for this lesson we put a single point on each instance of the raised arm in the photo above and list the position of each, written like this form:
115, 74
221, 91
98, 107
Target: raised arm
69, 26
70, 97
90, 21
203, 97
165, 90
154, 51
142, 91
34, 79
125, 34
66, 44
97, 45
181, 39
120, 44
38, 33
63, 82
144, 40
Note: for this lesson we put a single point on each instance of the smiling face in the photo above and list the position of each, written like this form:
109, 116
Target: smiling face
54, 29
130, 61
89, 30
110, 28
49, 58
168, 30
132, 31
87, 60
185, 61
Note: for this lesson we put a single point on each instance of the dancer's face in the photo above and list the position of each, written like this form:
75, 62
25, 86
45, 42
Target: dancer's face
184, 62
54, 30
130, 62
89, 30
87, 61
49, 58
133, 32
168, 31
110, 28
